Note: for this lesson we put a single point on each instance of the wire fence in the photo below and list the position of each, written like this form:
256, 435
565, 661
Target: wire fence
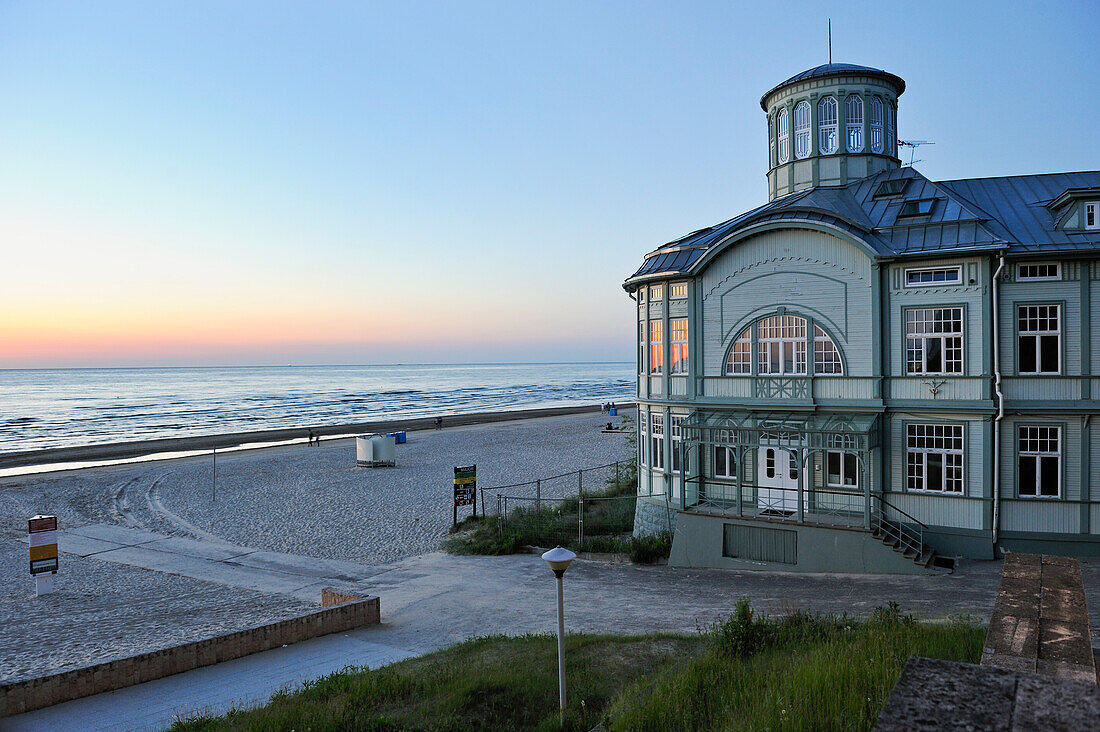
591, 508
617, 476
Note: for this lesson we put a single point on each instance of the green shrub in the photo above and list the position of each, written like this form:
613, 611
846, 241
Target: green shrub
648, 549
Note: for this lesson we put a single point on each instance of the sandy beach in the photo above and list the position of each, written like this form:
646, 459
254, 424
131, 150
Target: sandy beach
296, 499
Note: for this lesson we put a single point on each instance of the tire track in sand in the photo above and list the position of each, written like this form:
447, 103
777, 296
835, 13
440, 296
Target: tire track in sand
152, 496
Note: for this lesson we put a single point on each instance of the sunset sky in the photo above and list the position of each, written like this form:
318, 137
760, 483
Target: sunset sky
270, 183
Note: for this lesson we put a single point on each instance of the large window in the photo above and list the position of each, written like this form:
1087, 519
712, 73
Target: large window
781, 349
678, 341
740, 358
934, 457
1040, 462
876, 125
802, 130
826, 356
783, 126
841, 466
725, 461
933, 341
827, 125
853, 122
656, 346
657, 440
781, 345
1040, 339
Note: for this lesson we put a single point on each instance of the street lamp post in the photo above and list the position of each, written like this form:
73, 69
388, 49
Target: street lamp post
559, 559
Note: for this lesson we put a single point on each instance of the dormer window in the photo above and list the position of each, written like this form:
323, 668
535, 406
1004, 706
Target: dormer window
916, 207
853, 122
1037, 272
827, 125
802, 130
1092, 215
783, 126
933, 276
893, 187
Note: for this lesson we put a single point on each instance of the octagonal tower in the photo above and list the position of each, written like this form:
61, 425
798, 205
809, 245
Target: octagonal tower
831, 125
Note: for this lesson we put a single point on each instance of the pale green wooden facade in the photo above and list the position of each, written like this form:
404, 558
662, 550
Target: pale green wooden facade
833, 269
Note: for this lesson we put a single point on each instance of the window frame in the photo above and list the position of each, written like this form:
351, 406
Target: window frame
876, 129
678, 348
1056, 277
798, 344
675, 438
925, 336
844, 451
824, 128
783, 135
657, 440
749, 338
656, 292
905, 211
1095, 206
852, 125
656, 346
675, 289
730, 454
1037, 334
961, 452
643, 438
803, 136
1060, 471
744, 336
914, 270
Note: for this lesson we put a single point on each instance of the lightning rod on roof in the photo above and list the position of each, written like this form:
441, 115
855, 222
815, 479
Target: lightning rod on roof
830, 41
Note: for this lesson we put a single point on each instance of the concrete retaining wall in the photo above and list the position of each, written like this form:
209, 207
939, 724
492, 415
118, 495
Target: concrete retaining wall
23, 696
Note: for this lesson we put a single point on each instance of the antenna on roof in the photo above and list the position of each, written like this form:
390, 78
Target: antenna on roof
913, 145
830, 41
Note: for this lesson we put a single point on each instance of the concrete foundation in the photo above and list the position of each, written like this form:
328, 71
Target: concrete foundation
702, 540
652, 515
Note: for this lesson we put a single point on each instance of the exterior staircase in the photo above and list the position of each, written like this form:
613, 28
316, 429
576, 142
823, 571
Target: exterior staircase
907, 539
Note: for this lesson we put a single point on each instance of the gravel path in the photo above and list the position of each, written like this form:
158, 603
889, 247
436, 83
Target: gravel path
100, 611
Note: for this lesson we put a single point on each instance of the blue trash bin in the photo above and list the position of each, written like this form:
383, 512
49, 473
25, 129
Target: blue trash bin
398, 437
614, 412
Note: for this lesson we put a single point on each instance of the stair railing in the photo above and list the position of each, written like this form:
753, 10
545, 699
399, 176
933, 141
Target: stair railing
902, 530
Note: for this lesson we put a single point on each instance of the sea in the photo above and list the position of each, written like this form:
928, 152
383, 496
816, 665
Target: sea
51, 408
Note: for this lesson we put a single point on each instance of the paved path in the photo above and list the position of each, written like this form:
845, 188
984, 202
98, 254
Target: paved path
435, 600
214, 561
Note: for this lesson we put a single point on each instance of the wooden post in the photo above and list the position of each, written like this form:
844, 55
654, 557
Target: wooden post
214, 487
538, 494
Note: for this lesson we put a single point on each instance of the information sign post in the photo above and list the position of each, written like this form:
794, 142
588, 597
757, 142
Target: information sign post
465, 489
43, 552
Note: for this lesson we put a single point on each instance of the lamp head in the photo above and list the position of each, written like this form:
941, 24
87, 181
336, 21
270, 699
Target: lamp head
559, 558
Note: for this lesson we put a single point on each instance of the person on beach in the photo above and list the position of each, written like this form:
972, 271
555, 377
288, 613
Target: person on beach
439, 423
311, 438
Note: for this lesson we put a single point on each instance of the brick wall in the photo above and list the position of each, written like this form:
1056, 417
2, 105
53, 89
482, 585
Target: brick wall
23, 696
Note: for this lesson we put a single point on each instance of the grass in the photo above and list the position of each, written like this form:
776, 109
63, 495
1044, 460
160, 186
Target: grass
608, 524
803, 671
495, 683
800, 672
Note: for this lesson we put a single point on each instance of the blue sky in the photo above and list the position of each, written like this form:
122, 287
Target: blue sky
252, 182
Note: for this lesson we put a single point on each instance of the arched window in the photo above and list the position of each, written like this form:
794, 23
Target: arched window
740, 359
802, 130
783, 126
826, 125
853, 122
781, 343
891, 131
876, 125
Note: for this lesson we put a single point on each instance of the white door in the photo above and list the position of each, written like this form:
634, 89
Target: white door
777, 479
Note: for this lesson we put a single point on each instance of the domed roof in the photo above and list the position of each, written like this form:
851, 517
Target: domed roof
835, 70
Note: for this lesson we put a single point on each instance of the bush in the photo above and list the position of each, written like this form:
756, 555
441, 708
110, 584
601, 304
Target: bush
648, 549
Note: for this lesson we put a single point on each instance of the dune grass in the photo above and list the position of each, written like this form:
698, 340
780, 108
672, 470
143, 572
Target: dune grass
800, 672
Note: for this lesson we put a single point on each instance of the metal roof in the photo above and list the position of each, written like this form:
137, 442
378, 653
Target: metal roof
982, 214
836, 70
